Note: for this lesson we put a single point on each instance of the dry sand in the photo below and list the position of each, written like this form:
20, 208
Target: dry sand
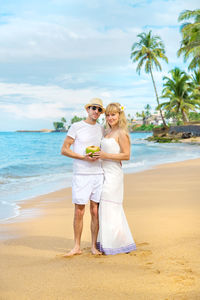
192, 140
162, 206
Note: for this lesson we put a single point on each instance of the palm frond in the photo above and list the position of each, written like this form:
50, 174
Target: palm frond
190, 45
188, 14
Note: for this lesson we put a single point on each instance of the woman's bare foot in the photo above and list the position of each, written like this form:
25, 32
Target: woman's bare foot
95, 251
74, 251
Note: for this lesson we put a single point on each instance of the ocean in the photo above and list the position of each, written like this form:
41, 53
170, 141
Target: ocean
31, 164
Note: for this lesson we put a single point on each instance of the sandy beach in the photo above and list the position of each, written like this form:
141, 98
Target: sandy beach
162, 206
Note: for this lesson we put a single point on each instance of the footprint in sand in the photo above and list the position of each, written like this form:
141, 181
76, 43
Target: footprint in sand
184, 279
142, 244
181, 261
188, 271
144, 253
141, 253
149, 265
132, 254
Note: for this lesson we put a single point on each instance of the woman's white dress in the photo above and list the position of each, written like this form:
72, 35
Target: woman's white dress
114, 234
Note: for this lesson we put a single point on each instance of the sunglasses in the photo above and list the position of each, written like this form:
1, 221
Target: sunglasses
96, 108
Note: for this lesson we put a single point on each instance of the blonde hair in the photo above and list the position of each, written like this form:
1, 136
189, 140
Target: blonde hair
115, 107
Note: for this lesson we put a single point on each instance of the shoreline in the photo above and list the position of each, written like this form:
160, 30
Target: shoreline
162, 208
25, 206
20, 203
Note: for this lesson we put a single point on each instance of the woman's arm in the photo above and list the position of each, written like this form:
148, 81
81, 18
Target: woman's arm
124, 154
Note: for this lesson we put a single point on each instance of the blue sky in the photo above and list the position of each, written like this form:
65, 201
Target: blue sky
55, 55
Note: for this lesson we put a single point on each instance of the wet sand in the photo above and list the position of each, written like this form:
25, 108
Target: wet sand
162, 206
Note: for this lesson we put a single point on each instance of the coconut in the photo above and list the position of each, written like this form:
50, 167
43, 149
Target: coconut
92, 150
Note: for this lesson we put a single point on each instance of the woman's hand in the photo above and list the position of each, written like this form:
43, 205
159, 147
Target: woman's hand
101, 154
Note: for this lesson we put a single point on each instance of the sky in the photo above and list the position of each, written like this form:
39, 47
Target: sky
55, 55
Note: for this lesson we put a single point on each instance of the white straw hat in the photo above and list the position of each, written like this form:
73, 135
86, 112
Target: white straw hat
95, 102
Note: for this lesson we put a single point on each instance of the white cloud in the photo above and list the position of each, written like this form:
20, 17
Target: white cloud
50, 102
110, 33
44, 93
25, 40
44, 101
86, 46
34, 111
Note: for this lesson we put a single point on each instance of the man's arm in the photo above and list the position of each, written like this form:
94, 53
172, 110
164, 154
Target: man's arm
68, 152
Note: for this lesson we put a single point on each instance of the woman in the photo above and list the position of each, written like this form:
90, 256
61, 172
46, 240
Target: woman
114, 234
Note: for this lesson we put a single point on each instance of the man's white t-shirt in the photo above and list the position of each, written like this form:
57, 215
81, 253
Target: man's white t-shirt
85, 135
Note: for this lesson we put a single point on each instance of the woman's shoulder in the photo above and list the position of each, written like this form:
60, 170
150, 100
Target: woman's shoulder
122, 132
123, 136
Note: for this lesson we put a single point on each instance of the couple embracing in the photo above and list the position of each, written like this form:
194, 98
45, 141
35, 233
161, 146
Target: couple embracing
99, 179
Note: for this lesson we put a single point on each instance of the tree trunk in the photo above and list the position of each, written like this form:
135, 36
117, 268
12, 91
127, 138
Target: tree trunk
185, 117
164, 123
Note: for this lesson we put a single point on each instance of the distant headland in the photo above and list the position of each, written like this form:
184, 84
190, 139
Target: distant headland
43, 130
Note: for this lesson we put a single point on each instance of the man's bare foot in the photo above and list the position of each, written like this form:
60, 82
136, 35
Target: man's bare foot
95, 251
73, 252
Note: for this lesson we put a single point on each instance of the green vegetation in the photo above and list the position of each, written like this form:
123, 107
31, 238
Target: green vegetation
58, 126
147, 51
61, 126
76, 119
179, 89
190, 45
162, 139
143, 127
144, 114
194, 116
63, 120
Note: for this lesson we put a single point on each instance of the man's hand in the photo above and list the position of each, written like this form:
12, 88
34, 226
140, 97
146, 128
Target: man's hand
89, 158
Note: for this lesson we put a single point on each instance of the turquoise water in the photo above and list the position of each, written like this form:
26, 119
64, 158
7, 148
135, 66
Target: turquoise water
31, 164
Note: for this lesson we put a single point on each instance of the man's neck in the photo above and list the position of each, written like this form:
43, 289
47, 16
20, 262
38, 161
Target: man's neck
90, 121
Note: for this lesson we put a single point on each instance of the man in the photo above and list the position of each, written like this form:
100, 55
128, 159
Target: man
87, 172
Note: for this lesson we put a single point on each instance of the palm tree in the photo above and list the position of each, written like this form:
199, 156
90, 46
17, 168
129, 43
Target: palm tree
196, 83
179, 90
147, 110
143, 116
190, 45
147, 51
196, 80
63, 120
